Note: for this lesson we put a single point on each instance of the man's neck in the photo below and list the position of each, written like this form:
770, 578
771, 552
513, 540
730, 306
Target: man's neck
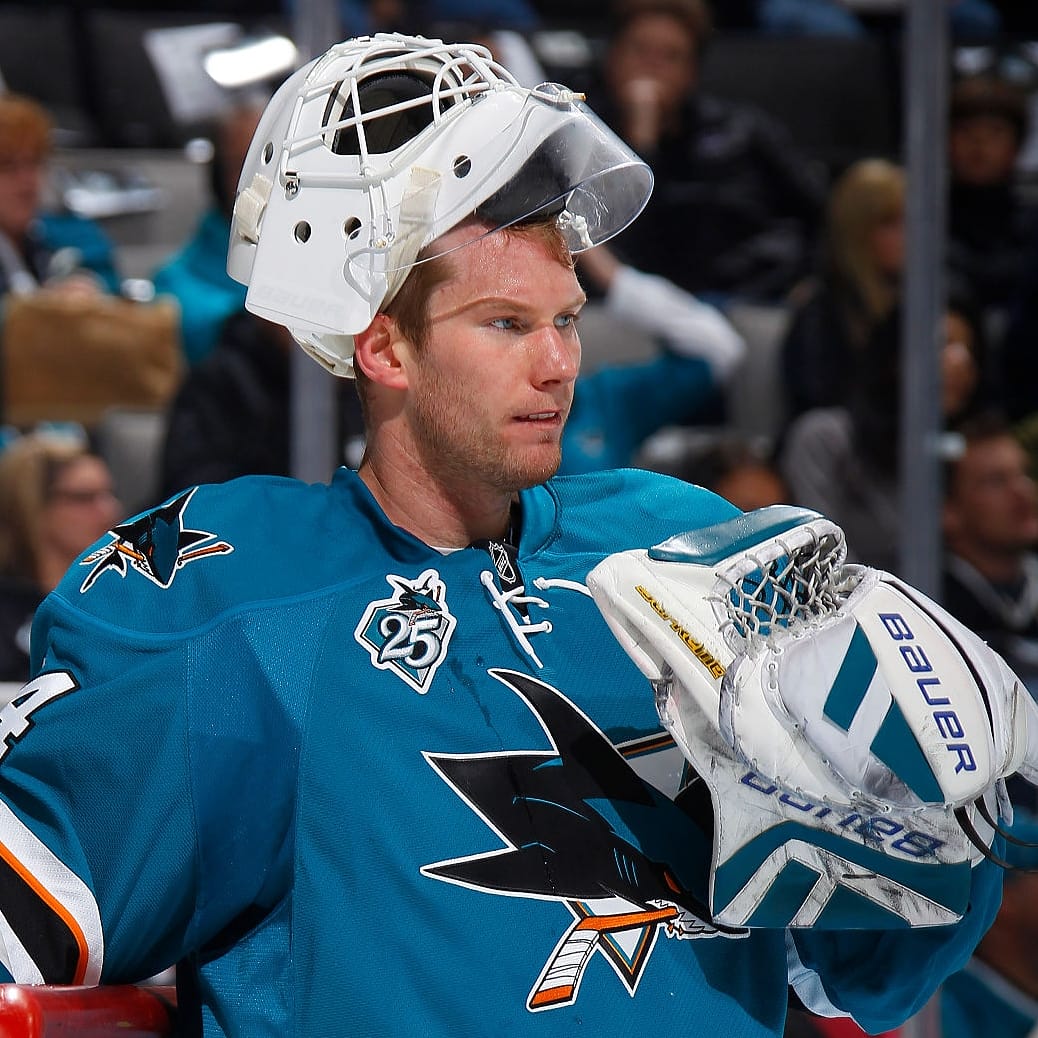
440, 516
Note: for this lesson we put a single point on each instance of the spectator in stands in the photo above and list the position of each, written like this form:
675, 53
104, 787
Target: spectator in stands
617, 407
56, 499
232, 414
737, 467
745, 474
38, 247
990, 225
735, 207
1018, 356
753, 484
990, 523
856, 287
197, 274
843, 461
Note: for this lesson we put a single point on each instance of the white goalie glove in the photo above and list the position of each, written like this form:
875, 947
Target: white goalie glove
854, 736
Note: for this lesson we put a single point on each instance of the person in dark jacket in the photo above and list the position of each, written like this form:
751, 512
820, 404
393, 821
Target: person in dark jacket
990, 525
56, 498
990, 220
856, 287
735, 207
231, 416
41, 247
196, 274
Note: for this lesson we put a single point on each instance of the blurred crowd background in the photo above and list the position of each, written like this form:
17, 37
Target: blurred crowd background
746, 333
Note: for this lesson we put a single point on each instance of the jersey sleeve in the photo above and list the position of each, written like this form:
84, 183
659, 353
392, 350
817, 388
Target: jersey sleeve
120, 854
882, 978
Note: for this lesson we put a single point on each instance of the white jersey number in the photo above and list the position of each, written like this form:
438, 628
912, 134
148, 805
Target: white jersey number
16, 717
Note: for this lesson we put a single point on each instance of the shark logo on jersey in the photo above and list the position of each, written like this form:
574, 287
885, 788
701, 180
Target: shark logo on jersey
568, 818
409, 632
155, 544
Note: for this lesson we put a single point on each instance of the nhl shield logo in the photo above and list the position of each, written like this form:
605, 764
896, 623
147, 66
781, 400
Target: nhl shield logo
409, 632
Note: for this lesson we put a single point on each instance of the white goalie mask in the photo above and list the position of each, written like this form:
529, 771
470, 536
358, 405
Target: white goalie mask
372, 151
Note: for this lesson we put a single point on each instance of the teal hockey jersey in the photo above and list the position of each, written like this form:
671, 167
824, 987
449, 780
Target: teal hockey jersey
357, 786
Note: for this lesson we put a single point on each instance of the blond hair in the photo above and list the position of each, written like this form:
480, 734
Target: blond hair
867, 194
29, 469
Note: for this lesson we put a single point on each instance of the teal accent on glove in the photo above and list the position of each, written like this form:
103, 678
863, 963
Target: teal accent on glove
714, 544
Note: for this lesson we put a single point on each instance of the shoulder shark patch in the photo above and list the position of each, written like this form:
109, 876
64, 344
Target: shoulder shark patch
156, 544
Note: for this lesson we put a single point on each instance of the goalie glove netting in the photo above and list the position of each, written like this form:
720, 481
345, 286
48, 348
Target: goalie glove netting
801, 586
791, 581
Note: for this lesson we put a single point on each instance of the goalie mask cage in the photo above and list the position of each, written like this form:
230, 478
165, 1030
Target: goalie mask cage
53, 1011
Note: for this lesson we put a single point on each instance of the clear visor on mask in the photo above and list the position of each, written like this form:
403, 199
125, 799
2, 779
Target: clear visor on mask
567, 165
582, 171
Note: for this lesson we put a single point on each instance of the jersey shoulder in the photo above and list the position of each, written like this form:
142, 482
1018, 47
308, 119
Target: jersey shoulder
215, 548
617, 509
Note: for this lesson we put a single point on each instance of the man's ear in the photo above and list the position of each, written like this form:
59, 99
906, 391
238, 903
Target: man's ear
379, 351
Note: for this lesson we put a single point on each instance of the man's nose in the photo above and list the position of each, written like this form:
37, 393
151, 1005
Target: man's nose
558, 355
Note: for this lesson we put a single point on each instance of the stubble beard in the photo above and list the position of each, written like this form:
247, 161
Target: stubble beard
462, 453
